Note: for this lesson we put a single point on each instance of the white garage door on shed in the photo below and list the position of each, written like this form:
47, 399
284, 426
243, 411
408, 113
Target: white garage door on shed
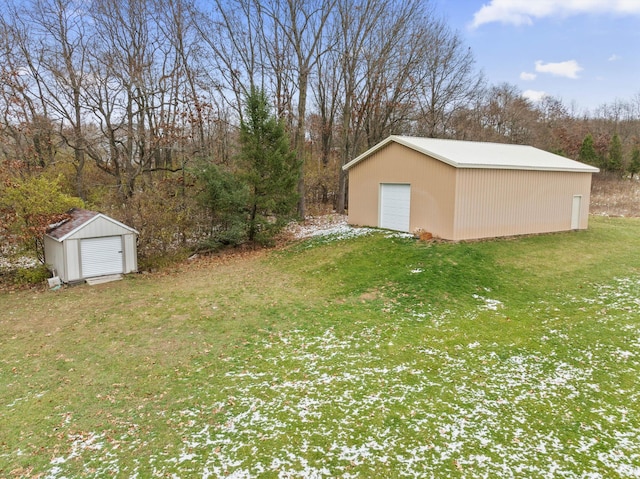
395, 205
101, 256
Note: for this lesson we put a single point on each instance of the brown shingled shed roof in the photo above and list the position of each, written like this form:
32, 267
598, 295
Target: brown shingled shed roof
78, 217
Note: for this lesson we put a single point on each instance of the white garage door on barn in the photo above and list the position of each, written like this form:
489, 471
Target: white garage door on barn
395, 206
101, 256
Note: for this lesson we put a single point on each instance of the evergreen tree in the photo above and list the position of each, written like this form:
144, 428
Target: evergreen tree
615, 163
588, 152
225, 197
269, 168
634, 165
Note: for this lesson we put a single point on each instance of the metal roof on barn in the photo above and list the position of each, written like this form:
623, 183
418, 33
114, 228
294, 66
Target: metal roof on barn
473, 154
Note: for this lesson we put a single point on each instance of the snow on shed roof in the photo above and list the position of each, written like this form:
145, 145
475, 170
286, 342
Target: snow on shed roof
473, 154
78, 219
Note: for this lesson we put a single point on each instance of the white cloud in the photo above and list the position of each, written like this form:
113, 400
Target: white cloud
524, 12
534, 95
526, 76
568, 69
614, 58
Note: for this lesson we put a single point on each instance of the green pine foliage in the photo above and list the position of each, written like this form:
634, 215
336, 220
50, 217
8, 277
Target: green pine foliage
225, 197
268, 167
634, 164
588, 152
255, 200
615, 163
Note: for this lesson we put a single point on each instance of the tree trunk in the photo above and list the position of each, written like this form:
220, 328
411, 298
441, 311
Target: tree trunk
299, 143
346, 152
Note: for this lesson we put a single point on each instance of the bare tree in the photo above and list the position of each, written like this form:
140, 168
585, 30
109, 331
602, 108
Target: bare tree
379, 51
553, 127
123, 58
303, 24
507, 116
55, 57
272, 45
27, 134
357, 22
176, 23
446, 77
326, 92
327, 95
232, 36
141, 93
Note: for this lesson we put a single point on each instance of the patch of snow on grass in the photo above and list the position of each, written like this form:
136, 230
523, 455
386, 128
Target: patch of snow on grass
399, 234
328, 225
489, 304
334, 228
351, 402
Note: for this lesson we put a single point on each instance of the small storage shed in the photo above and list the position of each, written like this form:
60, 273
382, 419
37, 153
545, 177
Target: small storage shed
90, 244
460, 190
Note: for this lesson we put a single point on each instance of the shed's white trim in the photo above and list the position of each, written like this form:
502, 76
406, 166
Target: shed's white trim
91, 220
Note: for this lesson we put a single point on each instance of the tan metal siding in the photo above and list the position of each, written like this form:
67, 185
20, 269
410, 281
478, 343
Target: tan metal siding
432, 188
512, 202
467, 203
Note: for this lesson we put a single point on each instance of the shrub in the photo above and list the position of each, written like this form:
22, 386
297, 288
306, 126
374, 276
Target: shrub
31, 275
167, 218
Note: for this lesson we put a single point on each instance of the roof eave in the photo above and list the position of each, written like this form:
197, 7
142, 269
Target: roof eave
455, 164
91, 220
120, 224
369, 152
53, 238
401, 141
526, 168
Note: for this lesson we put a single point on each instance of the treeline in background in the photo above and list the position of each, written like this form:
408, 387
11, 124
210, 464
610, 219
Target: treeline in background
161, 112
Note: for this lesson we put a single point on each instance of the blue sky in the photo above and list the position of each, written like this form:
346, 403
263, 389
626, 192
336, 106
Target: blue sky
585, 52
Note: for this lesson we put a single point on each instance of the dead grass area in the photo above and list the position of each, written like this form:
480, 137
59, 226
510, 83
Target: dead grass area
612, 196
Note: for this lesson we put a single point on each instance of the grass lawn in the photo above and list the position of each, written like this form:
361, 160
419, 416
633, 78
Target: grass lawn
369, 356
